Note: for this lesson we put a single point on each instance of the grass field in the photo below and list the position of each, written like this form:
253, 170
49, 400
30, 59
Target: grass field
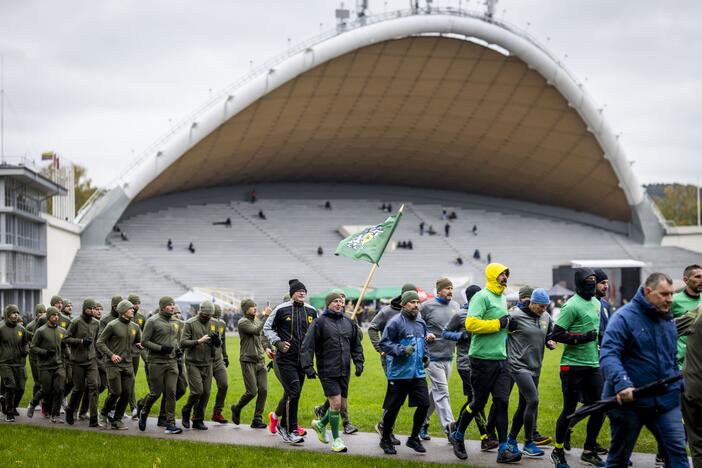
366, 394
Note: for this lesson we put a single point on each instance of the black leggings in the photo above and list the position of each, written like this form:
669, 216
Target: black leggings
528, 408
488, 377
292, 379
574, 381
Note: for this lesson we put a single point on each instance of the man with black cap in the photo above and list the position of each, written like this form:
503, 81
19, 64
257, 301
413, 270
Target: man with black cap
578, 327
333, 341
47, 344
404, 343
14, 347
487, 320
160, 337
140, 320
253, 364
455, 330
436, 313
285, 329
601, 293
117, 343
375, 331
200, 335
81, 336
220, 362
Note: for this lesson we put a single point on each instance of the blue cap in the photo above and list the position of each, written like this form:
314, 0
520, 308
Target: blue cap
540, 296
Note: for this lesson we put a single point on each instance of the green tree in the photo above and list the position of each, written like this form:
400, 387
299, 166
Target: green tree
678, 203
83, 186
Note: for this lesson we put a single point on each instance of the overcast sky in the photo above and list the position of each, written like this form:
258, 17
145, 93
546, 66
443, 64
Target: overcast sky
98, 81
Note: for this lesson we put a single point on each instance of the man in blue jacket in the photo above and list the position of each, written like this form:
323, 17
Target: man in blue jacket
403, 343
638, 348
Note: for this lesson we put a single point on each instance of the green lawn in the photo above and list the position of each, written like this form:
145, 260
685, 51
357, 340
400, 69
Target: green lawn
367, 391
65, 447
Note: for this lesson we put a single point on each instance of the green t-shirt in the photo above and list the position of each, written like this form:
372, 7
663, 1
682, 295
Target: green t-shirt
683, 303
580, 316
486, 305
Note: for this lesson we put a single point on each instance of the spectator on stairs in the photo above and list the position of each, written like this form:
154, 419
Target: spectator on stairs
261, 215
191, 248
169, 244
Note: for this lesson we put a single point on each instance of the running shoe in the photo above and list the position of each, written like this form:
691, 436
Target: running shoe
102, 421
349, 428
119, 425
530, 449
659, 460
282, 432
600, 450
424, 432
542, 439
379, 430
459, 447
415, 444
272, 422
258, 424
142, 421
321, 431
488, 443
173, 430
338, 445
558, 458
506, 455
591, 459
513, 445
30, 410
9, 417
388, 447
300, 431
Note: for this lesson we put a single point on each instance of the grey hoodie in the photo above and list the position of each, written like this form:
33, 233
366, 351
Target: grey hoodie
437, 315
527, 336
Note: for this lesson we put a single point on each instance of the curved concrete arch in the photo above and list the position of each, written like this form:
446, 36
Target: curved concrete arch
139, 183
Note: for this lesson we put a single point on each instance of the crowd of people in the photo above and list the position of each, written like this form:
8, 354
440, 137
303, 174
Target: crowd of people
654, 337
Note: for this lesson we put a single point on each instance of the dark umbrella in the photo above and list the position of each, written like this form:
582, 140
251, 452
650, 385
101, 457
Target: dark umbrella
652, 389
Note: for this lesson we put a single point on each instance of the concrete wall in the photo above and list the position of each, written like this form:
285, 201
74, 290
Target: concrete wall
62, 244
686, 237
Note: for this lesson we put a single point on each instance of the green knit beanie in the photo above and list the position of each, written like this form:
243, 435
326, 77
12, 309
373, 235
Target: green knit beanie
51, 311
134, 299
11, 309
246, 304
331, 297
525, 291
115, 300
89, 304
164, 301
442, 283
39, 309
206, 308
409, 296
408, 287
218, 311
55, 300
124, 306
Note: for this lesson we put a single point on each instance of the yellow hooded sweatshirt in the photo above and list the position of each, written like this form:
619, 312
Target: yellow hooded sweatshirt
483, 319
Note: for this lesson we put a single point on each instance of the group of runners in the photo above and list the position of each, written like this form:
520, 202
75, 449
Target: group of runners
74, 359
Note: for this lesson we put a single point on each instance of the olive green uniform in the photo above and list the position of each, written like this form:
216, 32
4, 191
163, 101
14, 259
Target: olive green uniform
81, 336
102, 370
47, 344
140, 321
64, 322
33, 366
253, 368
182, 385
219, 366
14, 346
198, 364
118, 337
160, 338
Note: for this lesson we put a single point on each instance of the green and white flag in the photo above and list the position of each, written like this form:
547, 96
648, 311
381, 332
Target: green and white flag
370, 243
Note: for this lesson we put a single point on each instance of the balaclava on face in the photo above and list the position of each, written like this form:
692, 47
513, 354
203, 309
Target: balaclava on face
585, 288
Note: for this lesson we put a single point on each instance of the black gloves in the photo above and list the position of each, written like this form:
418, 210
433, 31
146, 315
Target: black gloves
87, 341
504, 321
226, 361
311, 374
425, 361
165, 349
49, 353
215, 340
588, 337
359, 371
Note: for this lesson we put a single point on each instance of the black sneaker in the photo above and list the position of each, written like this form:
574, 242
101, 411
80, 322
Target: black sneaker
349, 428
558, 458
199, 425
236, 414
488, 443
459, 447
173, 430
600, 450
142, 421
258, 424
70, 417
379, 430
659, 460
388, 447
591, 459
185, 418
415, 444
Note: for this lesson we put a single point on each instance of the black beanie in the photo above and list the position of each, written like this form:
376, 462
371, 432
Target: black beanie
296, 285
600, 275
470, 292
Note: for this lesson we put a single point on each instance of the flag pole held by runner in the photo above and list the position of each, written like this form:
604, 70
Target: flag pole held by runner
369, 245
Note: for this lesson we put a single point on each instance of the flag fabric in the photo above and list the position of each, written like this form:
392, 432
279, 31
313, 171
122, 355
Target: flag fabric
370, 243
48, 156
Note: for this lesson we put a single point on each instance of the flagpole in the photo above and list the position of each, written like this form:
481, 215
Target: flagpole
368, 280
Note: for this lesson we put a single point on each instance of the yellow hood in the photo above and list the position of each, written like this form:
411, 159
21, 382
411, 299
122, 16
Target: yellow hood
492, 271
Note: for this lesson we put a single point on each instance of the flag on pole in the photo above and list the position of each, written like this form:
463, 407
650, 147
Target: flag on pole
370, 243
48, 156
